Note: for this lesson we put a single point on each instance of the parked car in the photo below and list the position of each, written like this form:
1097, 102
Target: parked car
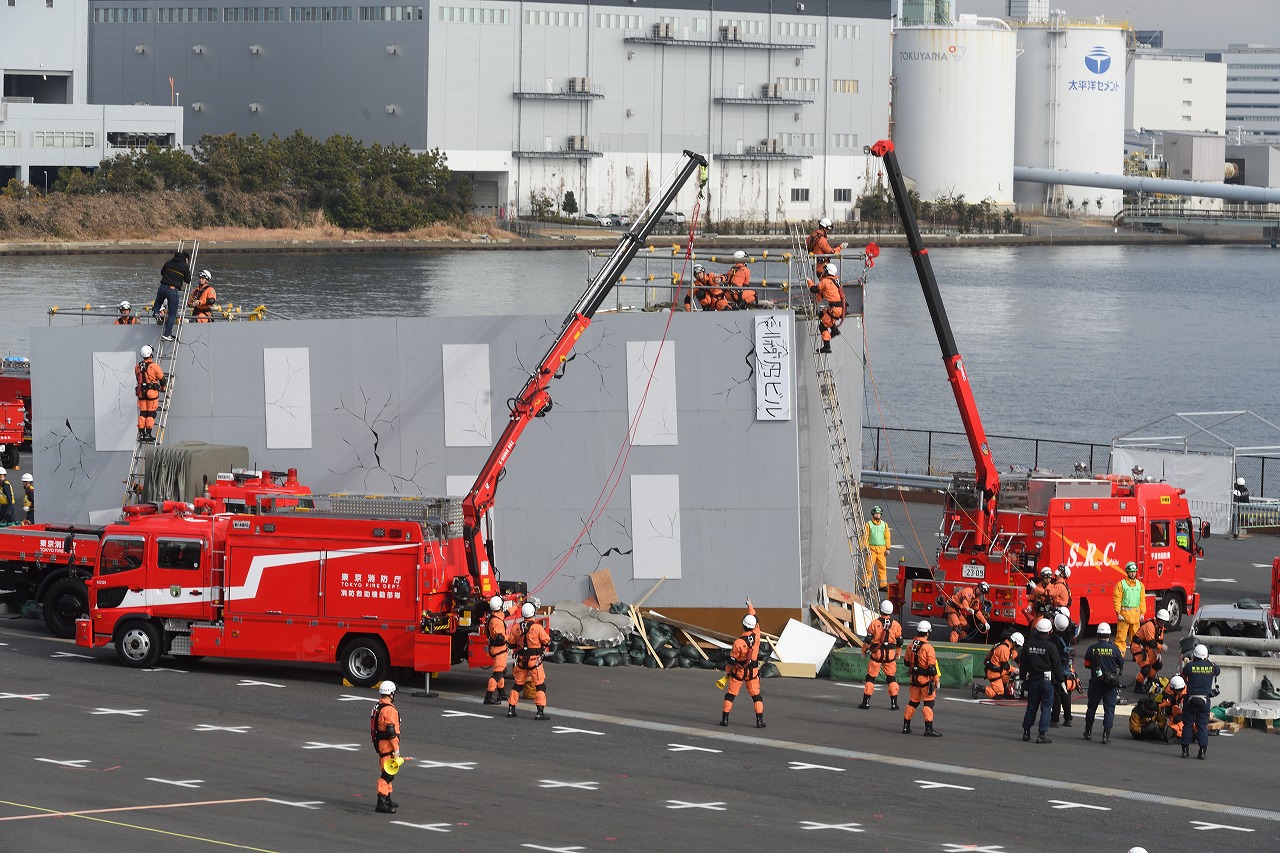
620, 219
1215, 625
597, 219
672, 217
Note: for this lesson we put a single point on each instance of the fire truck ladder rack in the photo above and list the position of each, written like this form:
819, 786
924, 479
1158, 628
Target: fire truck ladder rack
440, 517
166, 355
847, 481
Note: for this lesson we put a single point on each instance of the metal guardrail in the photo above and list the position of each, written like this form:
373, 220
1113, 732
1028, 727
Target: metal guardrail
893, 480
1257, 514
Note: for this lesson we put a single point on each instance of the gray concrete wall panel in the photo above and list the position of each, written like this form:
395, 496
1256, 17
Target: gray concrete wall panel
755, 498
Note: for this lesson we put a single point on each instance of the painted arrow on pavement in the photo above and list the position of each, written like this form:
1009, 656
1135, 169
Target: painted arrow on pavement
800, 765
434, 827
846, 827
1202, 825
926, 785
1064, 804
683, 747
189, 783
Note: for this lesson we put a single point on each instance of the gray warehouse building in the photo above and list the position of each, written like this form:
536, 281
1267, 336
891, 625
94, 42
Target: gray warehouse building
537, 98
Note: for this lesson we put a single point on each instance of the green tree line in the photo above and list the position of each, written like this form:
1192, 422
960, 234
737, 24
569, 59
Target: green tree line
356, 187
951, 213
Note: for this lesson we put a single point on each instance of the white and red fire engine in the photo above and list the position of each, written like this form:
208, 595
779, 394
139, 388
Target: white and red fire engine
1006, 532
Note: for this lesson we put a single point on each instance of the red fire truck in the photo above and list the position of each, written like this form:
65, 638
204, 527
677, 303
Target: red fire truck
1006, 532
15, 408
370, 583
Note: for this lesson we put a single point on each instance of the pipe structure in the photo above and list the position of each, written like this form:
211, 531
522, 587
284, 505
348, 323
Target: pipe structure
1205, 189
1249, 644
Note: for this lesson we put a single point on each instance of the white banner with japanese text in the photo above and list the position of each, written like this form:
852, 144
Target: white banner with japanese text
773, 367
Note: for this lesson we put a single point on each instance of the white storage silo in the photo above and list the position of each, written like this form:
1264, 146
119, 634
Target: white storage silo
953, 104
1070, 108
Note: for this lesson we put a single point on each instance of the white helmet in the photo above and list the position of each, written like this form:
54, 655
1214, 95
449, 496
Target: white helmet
27, 478
1200, 651
145, 351
1239, 481
1162, 615
824, 222
2, 472
1046, 572
528, 610
206, 274
739, 255
1137, 850
697, 268
1064, 610
984, 587
495, 603
125, 306
1064, 571
386, 688
886, 607
1044, 626
1104, 630
831, 269
749, 622
1177, 682
924, 627
1017, 638
1060, 622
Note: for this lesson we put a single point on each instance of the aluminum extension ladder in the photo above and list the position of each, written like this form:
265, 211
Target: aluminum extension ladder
847, 482
166, 355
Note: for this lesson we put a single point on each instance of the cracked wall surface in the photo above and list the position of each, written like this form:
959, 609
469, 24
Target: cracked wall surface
753, 506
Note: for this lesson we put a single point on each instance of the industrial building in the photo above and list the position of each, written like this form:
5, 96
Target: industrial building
47, 120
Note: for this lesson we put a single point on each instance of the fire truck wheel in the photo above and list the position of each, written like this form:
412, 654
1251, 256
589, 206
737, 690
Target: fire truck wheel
138, 644
64, 603
364, 661
9, 457
1173, 603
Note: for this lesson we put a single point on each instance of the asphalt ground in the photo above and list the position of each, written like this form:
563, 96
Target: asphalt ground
273, 757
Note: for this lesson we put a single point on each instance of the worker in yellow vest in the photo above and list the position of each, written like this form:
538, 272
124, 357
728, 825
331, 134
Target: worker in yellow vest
876, 541
1129, 599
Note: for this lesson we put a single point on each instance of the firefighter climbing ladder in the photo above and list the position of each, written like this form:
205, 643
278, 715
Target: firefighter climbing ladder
166, 355
846, 478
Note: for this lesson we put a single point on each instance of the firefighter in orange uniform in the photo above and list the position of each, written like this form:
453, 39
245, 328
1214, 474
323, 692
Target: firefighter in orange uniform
495, 628
964, 605
817, 243
999, 667
150, 382
1148, 643
1171, 701
531, 641
736, 282
203, 298
884, 638
708, 290
1056, 591
744, 668
384, 728
828, 290
1038, 604
922, 667
127, 317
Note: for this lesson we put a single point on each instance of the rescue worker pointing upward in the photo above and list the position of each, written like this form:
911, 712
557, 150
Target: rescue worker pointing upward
880, 646
384, 728
530, 640
922, 668
744, 668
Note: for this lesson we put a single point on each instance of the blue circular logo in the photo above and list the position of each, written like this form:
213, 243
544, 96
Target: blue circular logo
1097, 60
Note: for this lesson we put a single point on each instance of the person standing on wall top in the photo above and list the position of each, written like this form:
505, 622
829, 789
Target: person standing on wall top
203, 298
29, 496
384, 729
127, 317
150, 382
1040, 665
922, 669
1199, 673
877, 539
880, 646
817, 242
174, 276
1105, 663
744, 668
828, 290
1128, 598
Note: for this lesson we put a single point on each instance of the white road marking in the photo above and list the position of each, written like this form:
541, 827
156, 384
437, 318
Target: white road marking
36, 697
800, 765
347, 697
104, 711
248, 682
165, 669
972, 848
465, 714
434, 827
926, 785
458, 765
1221, 580
205, 727
565, 730
681, 804
586, 786
846, 827
1203, 825
966, 701
70, 655
303, 804
1064, 804
189, 783
554, 849
346, 747
684, 747
77, 763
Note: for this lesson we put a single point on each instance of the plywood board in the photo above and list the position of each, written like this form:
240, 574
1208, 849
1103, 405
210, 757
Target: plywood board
468, 408
602, 583
655, 525
286, 374
799, 643
796, 670
651, 392
115, 401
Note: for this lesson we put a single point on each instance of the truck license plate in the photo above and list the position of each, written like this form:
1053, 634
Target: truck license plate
973, 570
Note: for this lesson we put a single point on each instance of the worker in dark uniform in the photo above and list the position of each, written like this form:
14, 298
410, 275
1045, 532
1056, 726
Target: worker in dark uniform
1148, 643
1105, 663
880, 647
127, 317
922, 669
744, 668
174, 276
384, 728
29, 497
1064, 634
1040, 665
150, 382
8, 511
530, 641
1199, 673
495, 628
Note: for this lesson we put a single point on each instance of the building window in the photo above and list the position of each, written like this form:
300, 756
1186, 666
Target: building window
1186, 80
843, 195
619, 22
61, 139
799, 195
8, 138
752, 28
844, 140
845, 31
847, 87
797, 29
700, 25
391, 13
798, 84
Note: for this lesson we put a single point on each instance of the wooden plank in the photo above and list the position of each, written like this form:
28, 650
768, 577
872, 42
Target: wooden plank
840, 612
837, 594
602, 583
639, 623
841, 631
700, 631
645, 597
796, 670
689, 638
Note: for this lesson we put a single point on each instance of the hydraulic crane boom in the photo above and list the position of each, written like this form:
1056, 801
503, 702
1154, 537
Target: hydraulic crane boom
988, 478
534, 401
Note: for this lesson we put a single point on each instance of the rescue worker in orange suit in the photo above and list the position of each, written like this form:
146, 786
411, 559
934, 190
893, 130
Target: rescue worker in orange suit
880, 646
1172, 698
828, 290
708, 290
737, 281
1105, 663
1038, 602
1148, 643
877, 539
744, 668
999, 667
1129, 598
150, 382
817, 242
127, 317
203, 298
384, 728
495, 628
531, 641
922, 670
964, 606
1056, 590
